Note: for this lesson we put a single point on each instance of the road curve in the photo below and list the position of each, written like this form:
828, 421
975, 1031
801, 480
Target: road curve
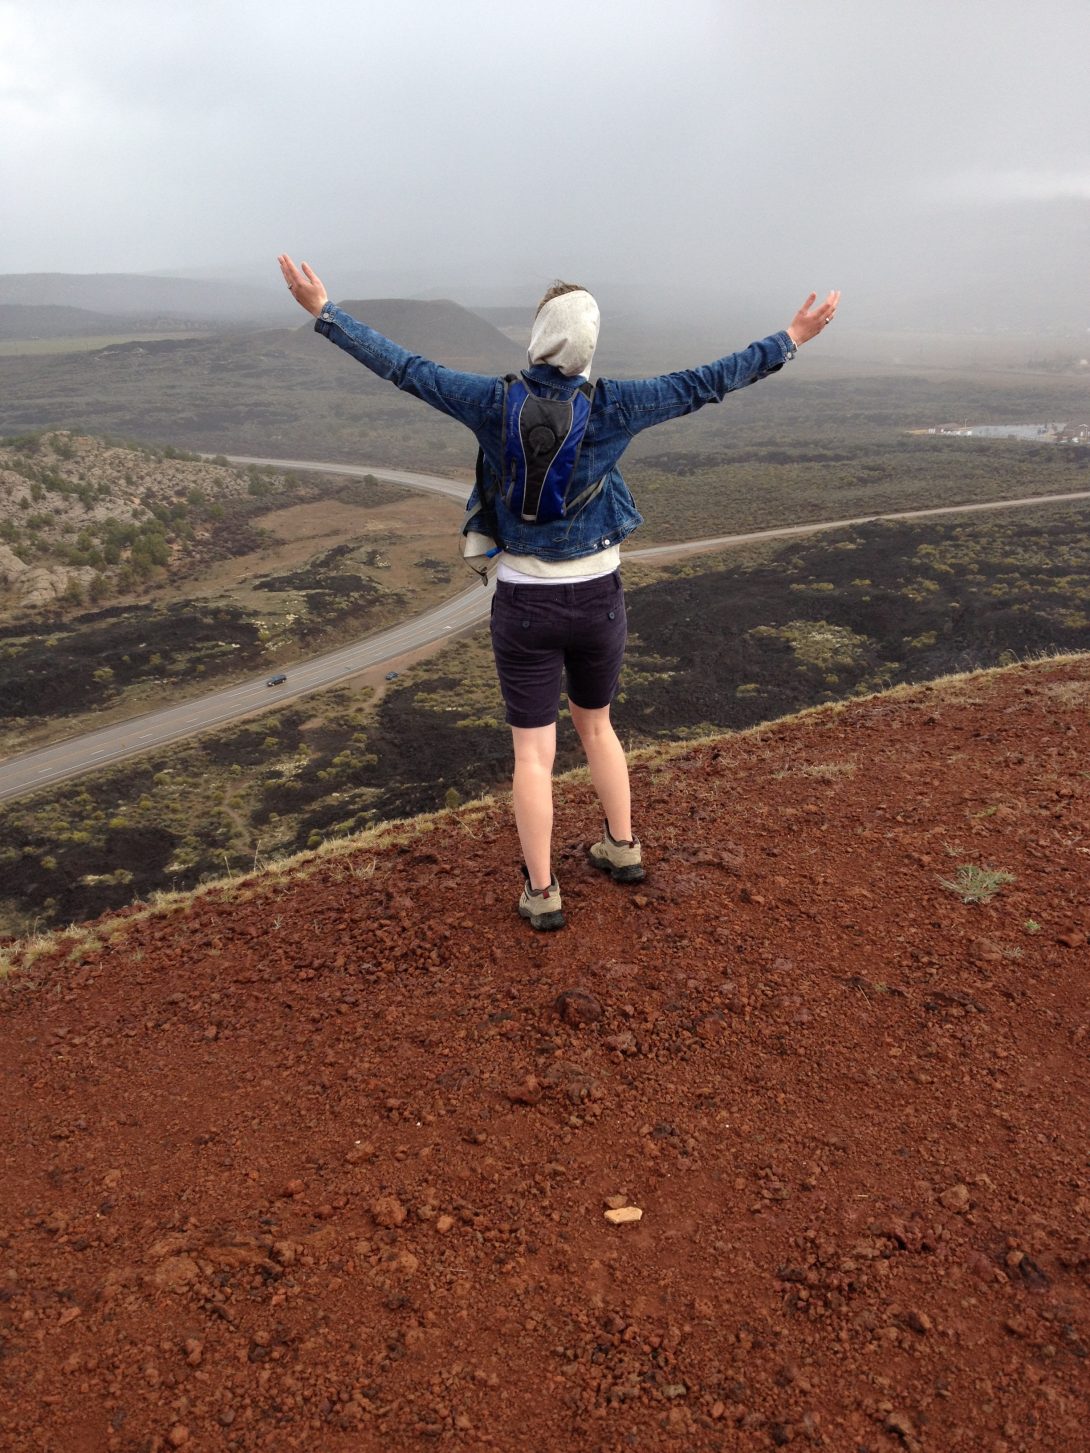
722, 542
31, 771
433, 483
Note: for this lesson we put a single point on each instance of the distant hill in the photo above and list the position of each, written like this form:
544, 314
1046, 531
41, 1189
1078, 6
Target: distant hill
438, 329
514, 315
52, 320
129, 293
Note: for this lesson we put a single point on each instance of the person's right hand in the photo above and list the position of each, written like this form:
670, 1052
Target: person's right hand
809, 321
305, 287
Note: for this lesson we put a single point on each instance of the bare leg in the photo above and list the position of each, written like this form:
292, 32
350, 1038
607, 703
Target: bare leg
535, 749
608, 767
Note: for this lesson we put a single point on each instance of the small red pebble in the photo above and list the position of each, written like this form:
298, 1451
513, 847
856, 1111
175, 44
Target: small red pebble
388, 1211
294, 1188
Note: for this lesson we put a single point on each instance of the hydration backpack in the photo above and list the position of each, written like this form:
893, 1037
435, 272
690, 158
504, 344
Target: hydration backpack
539, 448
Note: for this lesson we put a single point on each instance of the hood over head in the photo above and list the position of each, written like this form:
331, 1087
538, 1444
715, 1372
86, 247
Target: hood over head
565, 333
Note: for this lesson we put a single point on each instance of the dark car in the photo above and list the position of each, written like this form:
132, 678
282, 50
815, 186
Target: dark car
391, 676
276, 680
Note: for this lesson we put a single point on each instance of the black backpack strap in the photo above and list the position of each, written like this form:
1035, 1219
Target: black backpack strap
486, 498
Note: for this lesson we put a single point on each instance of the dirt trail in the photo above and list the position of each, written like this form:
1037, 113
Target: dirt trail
323, 1164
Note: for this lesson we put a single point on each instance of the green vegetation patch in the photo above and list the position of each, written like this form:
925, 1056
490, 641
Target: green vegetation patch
819, 643
68, 668
974, 884
832, 616
169, 820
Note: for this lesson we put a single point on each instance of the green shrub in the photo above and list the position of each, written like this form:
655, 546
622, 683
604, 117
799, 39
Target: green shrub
977, 885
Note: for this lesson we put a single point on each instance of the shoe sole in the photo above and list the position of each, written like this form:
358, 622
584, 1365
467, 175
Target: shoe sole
543, 922
633, 873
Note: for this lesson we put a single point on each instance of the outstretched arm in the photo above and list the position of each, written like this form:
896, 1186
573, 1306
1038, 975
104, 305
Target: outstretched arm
648, 401
467, 397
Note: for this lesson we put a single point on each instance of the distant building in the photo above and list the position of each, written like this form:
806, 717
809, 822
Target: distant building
1011, 431
1050, 433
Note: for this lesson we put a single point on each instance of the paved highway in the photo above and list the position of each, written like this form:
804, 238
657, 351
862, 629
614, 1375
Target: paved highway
31, 771
434, 483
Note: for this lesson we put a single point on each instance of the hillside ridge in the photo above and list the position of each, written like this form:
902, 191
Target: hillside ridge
438, 328
135, 293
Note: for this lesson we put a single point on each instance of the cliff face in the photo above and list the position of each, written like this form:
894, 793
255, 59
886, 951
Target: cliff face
321, 1160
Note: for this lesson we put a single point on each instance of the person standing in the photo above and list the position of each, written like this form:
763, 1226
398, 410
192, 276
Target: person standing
558, 610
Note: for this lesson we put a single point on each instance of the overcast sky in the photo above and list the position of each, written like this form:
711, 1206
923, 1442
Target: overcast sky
763, 144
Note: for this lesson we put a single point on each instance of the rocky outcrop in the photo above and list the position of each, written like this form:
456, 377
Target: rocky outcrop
11, 567
37, 585
45, 584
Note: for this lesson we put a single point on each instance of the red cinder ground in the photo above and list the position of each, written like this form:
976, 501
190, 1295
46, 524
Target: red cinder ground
317, 1164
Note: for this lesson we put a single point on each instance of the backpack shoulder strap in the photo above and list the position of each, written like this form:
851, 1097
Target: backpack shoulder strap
484, 495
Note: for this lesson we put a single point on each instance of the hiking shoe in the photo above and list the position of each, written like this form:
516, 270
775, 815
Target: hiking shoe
622, 861
541, 906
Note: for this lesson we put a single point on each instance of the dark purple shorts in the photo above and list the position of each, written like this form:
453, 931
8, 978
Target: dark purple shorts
541, 631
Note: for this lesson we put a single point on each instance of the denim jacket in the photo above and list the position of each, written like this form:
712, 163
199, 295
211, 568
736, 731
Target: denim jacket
620, 409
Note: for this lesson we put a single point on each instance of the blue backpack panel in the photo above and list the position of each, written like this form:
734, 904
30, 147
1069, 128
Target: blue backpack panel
540, 449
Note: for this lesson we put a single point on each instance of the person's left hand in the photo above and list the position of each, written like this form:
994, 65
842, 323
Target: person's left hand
305, 287
809, 321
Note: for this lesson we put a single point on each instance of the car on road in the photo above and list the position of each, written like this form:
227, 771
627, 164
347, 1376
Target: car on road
276, 680
391, 676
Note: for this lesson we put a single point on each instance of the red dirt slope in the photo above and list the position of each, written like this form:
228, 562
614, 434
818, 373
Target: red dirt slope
320, 1165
